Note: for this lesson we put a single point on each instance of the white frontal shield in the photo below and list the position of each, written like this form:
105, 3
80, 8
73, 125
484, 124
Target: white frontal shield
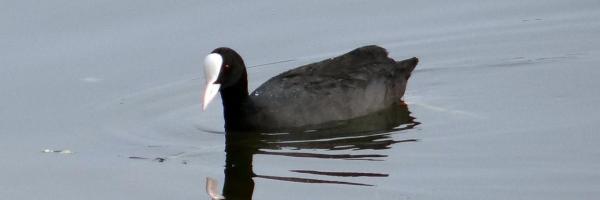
212, 67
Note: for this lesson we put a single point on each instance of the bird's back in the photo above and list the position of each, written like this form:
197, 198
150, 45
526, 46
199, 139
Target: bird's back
355, 84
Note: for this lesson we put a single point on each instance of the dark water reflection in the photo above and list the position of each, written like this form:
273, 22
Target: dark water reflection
371, 132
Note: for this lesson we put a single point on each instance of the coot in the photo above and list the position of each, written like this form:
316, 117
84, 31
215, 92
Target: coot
355, 84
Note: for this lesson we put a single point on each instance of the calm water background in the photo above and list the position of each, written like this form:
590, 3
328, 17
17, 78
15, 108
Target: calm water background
504, 100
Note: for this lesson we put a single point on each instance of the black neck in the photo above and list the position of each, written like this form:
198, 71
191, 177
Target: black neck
235, 99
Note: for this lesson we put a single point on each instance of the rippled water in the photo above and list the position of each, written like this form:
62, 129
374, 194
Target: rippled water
345, 143
503, 104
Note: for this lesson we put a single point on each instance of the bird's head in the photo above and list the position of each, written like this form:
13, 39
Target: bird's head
223, 68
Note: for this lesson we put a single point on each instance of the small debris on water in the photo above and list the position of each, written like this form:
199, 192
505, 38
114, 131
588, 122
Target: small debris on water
137, 157
65, 151
157, 159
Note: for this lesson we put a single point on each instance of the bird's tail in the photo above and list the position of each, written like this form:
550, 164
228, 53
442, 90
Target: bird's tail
408, 64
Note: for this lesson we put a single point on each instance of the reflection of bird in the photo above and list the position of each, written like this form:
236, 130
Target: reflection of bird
352, 85
371, 132
212, 189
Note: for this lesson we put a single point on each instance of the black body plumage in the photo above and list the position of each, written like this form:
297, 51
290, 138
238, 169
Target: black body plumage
355, 84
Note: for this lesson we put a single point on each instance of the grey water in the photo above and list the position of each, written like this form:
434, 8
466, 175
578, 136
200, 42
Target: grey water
503, 104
